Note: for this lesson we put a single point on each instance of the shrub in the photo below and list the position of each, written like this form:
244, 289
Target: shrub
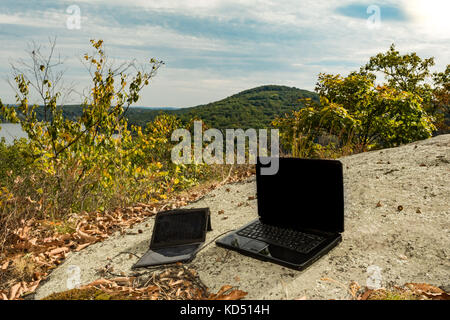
93, 163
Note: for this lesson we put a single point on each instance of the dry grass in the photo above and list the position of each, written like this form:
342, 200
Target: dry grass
24, 267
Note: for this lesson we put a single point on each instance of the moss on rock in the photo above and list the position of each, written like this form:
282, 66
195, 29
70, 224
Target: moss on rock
81, 294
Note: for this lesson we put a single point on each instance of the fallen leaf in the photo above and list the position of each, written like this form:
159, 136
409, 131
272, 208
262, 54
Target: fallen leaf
33, 286
82, 246
365, 295
5, 265
86, 236
233, 295
175, 283
14, 290
98, 282
354, 288
123, 280
424, 288
58, 250
438, 296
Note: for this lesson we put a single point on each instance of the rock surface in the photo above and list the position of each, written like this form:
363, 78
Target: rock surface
396, 221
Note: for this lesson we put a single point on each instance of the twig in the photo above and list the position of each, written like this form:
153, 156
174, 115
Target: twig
228, 177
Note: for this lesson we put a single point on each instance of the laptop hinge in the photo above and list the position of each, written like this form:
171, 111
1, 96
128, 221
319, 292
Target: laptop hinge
208, 228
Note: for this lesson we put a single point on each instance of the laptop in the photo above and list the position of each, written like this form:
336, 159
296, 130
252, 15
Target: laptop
301, 213
177, 236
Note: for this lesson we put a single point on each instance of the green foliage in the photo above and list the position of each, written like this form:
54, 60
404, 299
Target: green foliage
13, 158
94, 162
410, 73
254, 108
80, 156
441, 99
406, 72
355, 114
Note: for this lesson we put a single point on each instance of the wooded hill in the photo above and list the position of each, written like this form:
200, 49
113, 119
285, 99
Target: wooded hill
253, 108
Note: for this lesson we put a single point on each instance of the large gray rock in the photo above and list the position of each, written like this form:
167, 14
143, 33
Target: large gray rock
411, 245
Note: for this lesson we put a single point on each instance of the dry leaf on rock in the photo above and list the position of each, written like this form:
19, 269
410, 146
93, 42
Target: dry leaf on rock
354, 288
226, 293
58, 250
82, 246
423, 288
13, 292
5, 265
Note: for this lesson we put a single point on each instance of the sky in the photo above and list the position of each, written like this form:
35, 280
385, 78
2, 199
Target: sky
215, 48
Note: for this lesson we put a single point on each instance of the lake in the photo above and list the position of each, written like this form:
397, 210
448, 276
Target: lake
11, 131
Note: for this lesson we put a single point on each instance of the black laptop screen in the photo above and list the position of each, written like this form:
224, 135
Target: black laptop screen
179, 227
303, 194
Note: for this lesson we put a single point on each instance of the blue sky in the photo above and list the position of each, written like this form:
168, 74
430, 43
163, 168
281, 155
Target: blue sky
215, 48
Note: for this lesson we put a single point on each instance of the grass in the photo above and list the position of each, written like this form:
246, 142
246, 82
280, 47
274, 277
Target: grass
24, 267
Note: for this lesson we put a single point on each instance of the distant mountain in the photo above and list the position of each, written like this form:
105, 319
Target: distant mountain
253, 108
155, 108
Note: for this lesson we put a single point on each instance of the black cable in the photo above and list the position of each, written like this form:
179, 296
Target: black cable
153, 268
204, 246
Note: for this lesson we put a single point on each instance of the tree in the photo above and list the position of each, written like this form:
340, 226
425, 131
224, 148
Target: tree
406, 72
441, 99
83, 155
354, 112
382, 115
410, 73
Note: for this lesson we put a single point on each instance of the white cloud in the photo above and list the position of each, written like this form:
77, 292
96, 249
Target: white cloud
322, 41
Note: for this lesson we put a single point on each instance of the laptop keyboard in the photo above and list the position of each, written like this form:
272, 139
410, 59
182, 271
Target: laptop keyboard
291, 239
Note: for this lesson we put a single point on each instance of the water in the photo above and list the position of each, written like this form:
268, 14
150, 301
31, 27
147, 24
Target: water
11, 131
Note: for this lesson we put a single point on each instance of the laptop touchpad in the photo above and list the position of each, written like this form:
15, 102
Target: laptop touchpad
255, 245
